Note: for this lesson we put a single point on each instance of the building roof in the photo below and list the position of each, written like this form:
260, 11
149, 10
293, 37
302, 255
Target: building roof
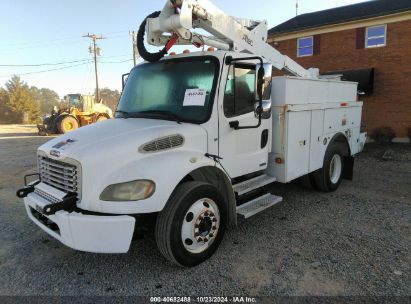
364, 10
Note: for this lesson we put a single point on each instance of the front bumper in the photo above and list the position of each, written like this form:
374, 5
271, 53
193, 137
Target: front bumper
91, 233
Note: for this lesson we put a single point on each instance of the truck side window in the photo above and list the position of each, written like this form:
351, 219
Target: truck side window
239, 96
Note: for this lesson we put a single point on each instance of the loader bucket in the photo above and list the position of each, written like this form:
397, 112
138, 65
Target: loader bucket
42, 130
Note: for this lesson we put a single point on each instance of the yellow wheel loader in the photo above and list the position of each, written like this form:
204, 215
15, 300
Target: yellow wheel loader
78, 111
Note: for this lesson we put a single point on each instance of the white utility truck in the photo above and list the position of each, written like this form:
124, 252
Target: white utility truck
196, 141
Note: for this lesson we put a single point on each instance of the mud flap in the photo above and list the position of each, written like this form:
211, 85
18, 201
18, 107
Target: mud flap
348, 168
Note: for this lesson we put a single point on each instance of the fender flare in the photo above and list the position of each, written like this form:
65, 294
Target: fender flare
215, 176
340, 138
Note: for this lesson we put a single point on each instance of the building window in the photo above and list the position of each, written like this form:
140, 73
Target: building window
305, 46
376, 36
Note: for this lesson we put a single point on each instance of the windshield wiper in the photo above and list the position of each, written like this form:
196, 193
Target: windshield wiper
125, 114
162, 113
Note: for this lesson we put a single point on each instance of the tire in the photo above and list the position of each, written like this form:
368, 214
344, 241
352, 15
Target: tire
67, 124
195, 211
329, 177
101, 118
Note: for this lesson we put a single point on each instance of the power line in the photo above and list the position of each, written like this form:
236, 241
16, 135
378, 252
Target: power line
62, 62
116, 56
43, 64
127, 60
45, 71
40, 43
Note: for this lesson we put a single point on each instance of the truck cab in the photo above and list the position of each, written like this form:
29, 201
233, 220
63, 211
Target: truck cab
195, 141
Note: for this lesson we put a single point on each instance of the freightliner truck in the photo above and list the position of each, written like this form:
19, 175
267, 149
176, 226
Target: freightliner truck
197, 140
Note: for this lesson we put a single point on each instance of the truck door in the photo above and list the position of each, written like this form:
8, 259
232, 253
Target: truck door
246, 150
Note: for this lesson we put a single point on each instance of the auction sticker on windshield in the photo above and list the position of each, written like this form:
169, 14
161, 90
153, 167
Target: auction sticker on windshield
194, 97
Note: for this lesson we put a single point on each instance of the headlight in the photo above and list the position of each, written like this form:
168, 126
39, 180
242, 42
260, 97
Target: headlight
129, 191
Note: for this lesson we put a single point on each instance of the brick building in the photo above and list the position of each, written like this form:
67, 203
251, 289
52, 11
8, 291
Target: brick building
369, 42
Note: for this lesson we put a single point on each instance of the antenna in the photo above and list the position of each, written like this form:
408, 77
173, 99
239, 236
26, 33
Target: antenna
296, 7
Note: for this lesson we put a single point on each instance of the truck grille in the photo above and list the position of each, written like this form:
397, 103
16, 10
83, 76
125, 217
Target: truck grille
58, 174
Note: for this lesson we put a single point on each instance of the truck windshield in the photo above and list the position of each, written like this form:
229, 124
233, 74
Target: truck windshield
180, 89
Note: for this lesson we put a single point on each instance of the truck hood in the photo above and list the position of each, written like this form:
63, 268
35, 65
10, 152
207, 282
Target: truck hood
120, 137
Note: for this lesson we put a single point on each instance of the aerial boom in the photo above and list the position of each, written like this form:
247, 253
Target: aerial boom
180, 17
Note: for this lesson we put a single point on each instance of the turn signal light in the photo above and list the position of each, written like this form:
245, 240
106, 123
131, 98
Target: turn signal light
279, 160
186, 51
210, 49
172, 53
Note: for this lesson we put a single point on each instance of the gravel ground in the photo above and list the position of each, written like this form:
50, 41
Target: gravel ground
355, 241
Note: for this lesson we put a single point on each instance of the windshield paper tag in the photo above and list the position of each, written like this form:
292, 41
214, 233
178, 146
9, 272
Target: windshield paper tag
194, 97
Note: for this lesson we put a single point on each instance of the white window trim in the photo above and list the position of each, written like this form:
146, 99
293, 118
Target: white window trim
379, 45
298, 46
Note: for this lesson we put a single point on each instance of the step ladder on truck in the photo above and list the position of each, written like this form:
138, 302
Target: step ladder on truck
197, 140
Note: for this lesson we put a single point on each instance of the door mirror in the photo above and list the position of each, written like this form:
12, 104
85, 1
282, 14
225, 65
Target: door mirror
263, 81
263, 90
265, 110
260, 82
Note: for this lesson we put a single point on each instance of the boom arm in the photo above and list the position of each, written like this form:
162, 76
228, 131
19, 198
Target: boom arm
180, 17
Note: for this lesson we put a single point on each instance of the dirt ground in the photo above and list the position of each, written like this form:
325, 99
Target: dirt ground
355, 241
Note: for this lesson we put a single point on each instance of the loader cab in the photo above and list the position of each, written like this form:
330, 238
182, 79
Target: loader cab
73, 100
83, 103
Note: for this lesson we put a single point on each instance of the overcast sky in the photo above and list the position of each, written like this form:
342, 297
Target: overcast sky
50, 31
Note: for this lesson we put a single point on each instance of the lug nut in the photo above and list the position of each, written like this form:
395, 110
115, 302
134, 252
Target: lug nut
196, 234
211, 235
205, 240
214, 227
214, 220
199, 240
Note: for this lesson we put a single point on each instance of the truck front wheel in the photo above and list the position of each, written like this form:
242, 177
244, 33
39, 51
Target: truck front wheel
191, 226
329, 177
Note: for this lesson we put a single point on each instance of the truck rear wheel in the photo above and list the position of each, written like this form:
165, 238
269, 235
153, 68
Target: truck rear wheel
329, 177
191, 226
67, 124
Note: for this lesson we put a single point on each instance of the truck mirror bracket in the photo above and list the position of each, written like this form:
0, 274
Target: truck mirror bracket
229, 60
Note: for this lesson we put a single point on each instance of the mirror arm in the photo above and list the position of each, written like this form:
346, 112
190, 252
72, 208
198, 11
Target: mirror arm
123, 80
235, 124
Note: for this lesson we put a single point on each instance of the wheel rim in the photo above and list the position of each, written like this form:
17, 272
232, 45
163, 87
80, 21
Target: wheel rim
335, 168
200, 226
68, 125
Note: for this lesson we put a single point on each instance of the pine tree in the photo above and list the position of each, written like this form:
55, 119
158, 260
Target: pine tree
46, 98
20, 101
4, 110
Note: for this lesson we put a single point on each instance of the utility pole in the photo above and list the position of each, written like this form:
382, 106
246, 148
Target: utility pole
133, 34
96, 51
